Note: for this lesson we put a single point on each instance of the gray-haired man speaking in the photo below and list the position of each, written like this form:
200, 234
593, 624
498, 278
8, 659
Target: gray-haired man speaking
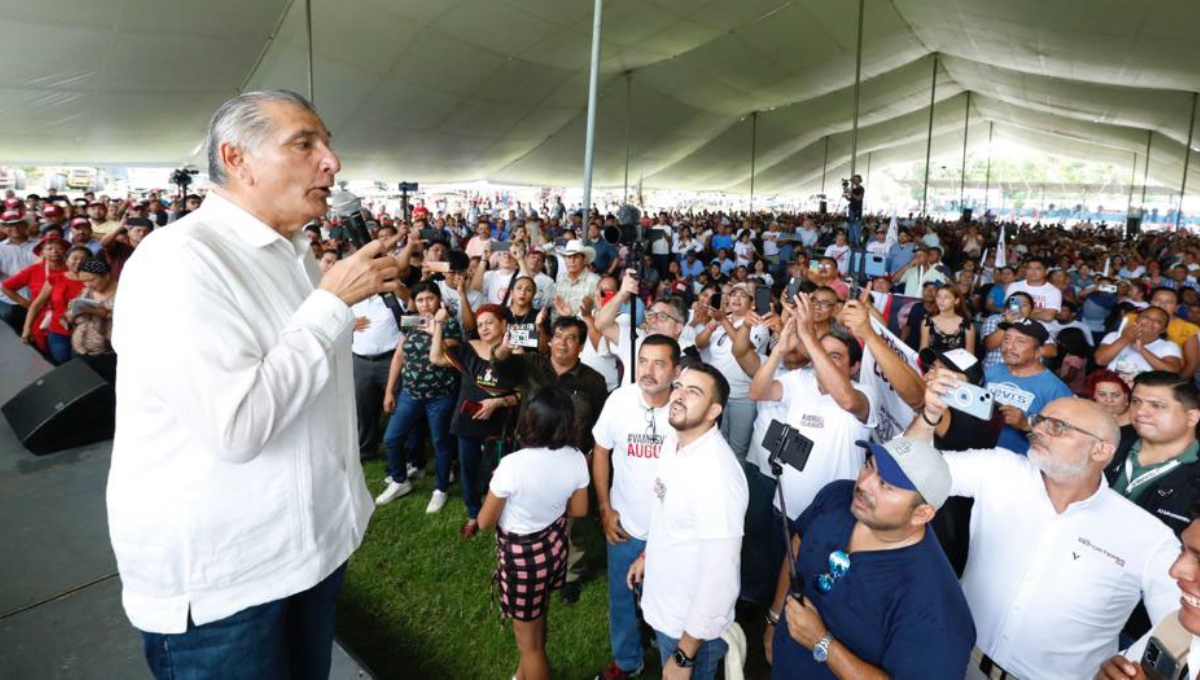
235, 496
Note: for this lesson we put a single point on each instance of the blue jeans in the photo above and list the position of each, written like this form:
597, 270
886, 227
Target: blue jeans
437, 411
737, 425
762, 540
288, 638
60, 348
855, 233
623, 630
711, 652
470, 465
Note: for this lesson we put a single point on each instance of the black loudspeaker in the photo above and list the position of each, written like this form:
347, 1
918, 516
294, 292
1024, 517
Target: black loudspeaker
966, 215
1133, 226
822, 207
68, 407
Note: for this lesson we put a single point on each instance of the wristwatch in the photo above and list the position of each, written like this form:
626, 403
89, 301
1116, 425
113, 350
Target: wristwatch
821, 649
682, 659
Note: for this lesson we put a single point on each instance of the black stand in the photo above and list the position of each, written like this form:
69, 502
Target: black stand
777, 471
788, 447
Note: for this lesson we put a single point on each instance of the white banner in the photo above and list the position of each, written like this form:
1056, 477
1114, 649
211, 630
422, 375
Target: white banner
894, 415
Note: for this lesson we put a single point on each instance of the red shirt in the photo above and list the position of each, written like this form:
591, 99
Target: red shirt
36, 276
63, 291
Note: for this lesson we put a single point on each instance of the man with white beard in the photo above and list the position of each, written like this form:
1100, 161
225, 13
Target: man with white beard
1058, 559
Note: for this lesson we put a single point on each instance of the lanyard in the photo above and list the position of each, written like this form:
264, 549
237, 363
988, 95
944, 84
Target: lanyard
1145, 477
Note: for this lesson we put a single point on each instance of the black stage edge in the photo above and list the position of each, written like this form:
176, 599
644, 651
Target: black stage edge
60, 597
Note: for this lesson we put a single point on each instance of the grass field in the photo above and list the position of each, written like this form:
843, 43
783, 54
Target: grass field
417, 601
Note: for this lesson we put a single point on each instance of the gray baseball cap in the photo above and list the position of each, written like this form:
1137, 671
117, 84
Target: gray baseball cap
915, 465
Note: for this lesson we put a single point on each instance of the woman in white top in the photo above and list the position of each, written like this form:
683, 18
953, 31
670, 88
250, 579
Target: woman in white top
715, 343
531, 494
684, 242
744, 251
1140, 346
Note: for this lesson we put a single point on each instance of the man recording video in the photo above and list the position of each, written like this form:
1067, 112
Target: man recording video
854, 192
236, 496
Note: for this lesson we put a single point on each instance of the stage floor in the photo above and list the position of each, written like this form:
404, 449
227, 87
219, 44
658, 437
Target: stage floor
60, 597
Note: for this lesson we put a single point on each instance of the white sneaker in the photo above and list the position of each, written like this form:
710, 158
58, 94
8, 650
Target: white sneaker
414, 472
387, 480
437, 502
392, 492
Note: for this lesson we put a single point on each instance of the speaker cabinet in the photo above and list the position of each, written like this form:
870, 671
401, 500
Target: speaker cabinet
68, 407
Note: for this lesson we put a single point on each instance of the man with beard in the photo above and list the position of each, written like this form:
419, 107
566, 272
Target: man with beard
1058, 560
629, 435
1186, 572
902, 613
690, 566
666, 317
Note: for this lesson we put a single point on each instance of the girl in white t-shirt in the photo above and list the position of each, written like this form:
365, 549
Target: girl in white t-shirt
531, 494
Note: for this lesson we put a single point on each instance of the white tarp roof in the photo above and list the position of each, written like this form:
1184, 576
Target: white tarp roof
457, 90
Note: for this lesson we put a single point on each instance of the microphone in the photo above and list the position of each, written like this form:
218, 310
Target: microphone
349, 209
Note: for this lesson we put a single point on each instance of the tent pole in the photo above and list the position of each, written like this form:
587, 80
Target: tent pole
857, 84
590, 141
987, 182
1187, 158
929, 135
1132, 183
825, 165
628, 116
308, 21
868, 167
753, 150
962, 179
1146, 171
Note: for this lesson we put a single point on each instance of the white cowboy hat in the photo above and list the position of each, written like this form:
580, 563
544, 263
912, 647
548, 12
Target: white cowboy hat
576, 247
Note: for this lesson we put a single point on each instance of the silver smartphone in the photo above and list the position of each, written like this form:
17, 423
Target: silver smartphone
972, 400
413, 321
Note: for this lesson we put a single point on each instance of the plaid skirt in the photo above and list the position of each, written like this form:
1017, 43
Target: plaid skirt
529, 567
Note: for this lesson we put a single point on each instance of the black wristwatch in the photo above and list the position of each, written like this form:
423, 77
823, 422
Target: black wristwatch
682, 659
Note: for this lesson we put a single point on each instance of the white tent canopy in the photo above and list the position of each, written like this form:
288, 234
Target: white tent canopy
459, 90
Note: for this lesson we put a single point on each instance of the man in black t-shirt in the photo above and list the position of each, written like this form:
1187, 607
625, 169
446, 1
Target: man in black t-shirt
854, 194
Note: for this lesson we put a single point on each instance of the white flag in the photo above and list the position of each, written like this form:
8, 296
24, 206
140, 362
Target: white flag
893, 234
1106, 261
894, 416
1001, 251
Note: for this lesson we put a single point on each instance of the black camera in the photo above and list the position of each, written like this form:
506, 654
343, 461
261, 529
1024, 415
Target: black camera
628, 231
182, 178
845, 183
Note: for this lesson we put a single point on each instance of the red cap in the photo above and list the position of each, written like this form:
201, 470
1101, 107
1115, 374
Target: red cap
80, 222
12, 217
51, 211
37, 250
14, 204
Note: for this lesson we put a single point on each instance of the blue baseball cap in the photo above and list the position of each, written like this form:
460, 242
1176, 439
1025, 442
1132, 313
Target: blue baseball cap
914, 465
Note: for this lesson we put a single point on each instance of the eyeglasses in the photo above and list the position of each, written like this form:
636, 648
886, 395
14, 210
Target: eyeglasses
1055, 427
822, 304
839, 564
662, 316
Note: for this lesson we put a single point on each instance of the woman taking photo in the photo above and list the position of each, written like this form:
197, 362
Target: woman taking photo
416, 387
485, 401
90, 318
531, 495
949, 327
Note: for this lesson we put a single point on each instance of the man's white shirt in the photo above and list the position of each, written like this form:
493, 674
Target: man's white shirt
235, 477
634, 433
1050, 593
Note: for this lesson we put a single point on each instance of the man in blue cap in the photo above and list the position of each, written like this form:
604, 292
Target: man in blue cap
873, 593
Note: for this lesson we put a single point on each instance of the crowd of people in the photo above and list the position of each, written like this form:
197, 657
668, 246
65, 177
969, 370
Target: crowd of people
915, 447
1030, 540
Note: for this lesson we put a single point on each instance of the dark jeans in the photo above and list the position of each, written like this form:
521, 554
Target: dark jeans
289, 638
437, 411
476, 461
13, 315
60, 348
370, 382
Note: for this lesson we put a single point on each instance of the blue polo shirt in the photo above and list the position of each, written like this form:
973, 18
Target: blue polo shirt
902, 610
1030, 394
721, 241
692, 270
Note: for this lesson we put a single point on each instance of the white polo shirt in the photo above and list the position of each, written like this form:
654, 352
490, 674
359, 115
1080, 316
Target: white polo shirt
719, 353
382, 335
693, 551
1049, 592
634, 432
834, 432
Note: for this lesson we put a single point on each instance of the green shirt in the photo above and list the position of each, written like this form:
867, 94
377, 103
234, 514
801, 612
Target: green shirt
1146, 474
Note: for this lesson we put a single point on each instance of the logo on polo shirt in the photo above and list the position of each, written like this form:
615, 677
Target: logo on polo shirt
1119, 561
1009, 394
812, 420
660, 489
644, 445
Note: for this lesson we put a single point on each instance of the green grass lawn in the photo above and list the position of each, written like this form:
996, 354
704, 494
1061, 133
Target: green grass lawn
417, 600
